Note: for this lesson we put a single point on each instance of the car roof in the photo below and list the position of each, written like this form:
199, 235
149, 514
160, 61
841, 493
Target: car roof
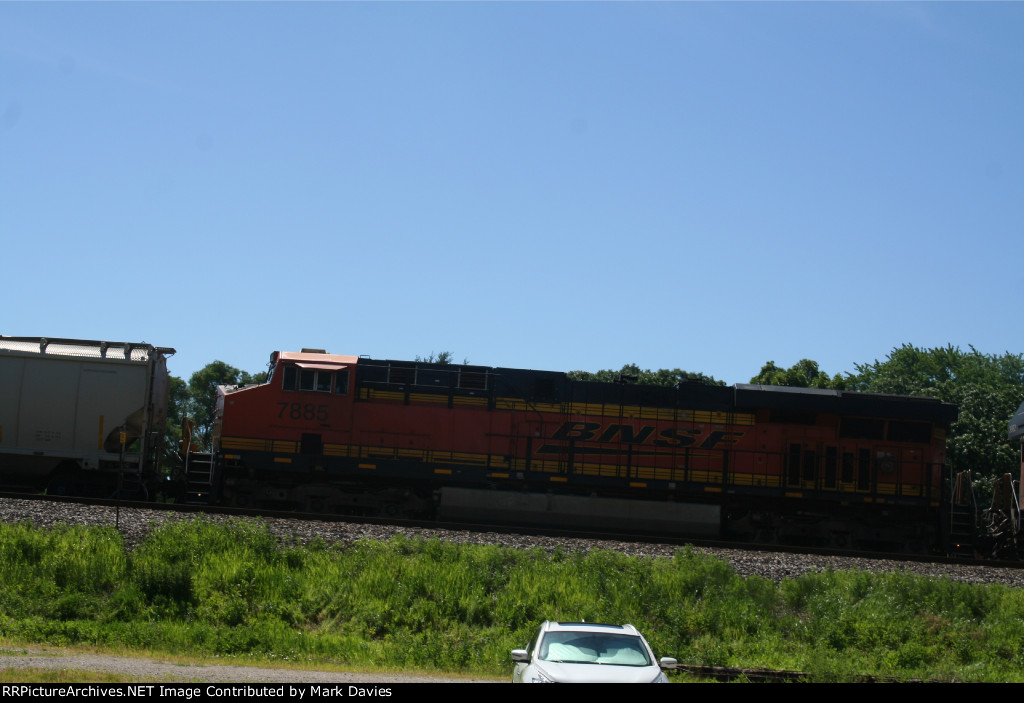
626, 629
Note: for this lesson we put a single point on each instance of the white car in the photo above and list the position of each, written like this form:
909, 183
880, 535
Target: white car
584, 652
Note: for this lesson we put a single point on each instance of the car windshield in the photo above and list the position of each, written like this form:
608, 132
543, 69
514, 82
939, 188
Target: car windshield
594, 648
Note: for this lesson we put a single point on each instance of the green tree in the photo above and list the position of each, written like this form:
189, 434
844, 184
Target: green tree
201, 403
445, 357
803, 374
631, 373
177, 402
987, 388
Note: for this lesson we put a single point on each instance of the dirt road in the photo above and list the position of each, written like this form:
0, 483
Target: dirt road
157, 670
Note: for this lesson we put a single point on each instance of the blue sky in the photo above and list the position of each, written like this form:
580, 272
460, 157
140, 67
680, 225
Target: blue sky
560, 186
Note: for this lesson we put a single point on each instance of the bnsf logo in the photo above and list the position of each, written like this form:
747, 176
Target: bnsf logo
669, 437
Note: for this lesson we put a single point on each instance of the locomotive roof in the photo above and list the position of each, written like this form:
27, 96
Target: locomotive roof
848, 402
829, 393
319, 359
555, 386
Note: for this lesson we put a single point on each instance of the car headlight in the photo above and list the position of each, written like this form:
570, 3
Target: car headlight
660, 678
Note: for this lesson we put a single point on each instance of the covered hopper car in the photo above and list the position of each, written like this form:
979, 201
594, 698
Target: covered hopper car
351, 435
81, 417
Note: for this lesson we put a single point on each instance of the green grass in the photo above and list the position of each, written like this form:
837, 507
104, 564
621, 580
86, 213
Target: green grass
230, 591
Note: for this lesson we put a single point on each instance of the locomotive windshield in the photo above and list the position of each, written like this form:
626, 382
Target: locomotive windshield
316, 378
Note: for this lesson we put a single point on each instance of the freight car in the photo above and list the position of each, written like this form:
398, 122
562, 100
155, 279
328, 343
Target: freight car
81, 417
351, 435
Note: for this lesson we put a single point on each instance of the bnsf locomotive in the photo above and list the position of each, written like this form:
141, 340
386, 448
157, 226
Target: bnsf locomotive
352, 435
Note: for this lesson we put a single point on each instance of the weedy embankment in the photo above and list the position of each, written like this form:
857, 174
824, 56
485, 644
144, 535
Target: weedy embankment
233, 591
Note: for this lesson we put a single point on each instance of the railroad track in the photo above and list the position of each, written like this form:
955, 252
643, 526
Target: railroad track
547, 533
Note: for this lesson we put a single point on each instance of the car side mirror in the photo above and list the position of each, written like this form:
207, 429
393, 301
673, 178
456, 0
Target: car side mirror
668, 663
520, 655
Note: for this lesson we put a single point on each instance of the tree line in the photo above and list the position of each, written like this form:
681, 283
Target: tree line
987, 388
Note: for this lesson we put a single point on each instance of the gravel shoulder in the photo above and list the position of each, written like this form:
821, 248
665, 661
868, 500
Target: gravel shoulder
165, 671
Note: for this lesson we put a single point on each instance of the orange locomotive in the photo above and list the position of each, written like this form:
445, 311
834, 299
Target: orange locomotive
351, 435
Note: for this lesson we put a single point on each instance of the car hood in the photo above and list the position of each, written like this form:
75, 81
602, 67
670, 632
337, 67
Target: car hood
599, 673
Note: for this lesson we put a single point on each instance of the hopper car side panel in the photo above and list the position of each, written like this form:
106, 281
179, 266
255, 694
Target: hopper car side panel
65, 403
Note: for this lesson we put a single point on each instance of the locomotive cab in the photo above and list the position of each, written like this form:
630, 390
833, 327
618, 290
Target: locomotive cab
311, 370
270, 438
306, 397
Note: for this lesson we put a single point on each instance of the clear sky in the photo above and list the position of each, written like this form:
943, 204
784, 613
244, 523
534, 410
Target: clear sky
541, 185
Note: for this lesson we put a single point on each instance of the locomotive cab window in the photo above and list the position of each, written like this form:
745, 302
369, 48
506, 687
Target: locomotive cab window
324, 381
291, 375
341, 382
296, 379
307, 379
